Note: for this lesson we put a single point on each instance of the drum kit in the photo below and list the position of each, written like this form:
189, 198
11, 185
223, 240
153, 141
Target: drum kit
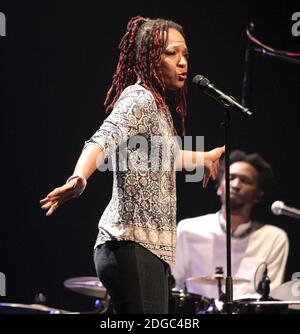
284, 298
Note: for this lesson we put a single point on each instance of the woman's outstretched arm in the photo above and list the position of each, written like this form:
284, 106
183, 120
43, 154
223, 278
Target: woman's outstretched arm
87, 163
191, 160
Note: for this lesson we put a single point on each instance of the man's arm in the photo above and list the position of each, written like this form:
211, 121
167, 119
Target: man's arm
277, 261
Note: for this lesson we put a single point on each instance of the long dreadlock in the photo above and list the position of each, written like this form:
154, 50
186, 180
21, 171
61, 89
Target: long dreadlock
140, 58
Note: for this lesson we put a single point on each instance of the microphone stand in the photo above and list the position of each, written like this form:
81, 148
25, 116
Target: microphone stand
228, 281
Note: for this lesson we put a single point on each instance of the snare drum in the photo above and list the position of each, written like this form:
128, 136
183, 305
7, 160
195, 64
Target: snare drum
187, 303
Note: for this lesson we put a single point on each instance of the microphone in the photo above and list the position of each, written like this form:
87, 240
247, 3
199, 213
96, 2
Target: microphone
279, 208
228, 101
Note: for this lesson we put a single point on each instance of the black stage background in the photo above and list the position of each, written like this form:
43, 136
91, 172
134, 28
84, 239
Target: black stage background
56, 63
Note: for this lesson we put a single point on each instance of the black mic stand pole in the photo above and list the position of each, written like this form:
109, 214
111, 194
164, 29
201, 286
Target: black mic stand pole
228, 283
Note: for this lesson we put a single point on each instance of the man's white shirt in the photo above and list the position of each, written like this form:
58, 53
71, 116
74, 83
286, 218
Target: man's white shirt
201, 247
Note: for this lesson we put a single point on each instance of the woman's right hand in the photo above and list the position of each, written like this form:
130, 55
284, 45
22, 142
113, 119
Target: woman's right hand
58, 196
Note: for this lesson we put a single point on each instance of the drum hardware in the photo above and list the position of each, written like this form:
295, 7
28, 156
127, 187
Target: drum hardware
216, 305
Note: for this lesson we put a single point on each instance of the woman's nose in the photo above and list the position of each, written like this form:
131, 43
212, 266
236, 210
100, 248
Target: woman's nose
183, 62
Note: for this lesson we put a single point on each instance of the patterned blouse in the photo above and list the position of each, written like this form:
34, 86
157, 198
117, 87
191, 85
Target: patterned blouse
140, 142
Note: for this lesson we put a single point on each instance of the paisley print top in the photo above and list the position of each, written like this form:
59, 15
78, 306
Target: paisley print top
139, 142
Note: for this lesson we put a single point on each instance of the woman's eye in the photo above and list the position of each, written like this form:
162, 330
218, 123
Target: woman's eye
170, 53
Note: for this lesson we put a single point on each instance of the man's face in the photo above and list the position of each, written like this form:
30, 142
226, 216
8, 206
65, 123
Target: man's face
244, 190
174, 62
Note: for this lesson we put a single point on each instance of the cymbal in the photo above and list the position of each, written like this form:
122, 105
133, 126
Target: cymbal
87, 285
269, 302
13, 308
213, 280
288, 291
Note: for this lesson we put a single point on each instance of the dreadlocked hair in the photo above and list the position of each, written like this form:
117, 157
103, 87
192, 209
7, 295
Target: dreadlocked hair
140, 59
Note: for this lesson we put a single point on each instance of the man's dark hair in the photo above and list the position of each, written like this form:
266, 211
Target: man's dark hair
265, 178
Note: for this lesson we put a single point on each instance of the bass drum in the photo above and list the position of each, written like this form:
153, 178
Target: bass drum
187, 303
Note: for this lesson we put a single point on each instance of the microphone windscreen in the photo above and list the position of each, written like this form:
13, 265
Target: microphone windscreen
277, 207
200, 80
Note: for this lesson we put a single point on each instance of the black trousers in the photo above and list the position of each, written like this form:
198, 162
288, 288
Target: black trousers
137, 281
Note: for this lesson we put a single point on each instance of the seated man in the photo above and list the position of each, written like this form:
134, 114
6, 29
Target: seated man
201, 241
